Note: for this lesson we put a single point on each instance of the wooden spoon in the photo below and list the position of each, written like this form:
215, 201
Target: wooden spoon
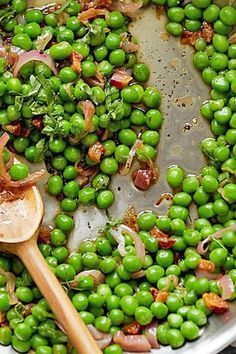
19, 222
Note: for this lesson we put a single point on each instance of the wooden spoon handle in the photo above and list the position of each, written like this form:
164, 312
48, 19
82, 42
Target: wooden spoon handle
56, 297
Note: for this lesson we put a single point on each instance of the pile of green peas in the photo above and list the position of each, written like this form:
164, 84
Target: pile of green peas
121, 299
64, 137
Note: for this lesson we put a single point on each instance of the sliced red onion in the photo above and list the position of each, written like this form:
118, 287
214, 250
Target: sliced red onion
201, 273
43, 40
126, 7
139, 274
169, 279
126, 168
150, 332
39, 4
202, 247
232, 38
10, 286
10, 162
104, 342
139, 246
133, 343
87, 15
95, 332
130, 47
34, 55
119, 238
102, 339
227, 286
97, 276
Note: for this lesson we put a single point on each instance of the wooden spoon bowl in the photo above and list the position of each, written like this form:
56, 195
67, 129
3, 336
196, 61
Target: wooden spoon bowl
19, 222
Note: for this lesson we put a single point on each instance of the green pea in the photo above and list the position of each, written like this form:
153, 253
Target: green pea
146, 221
201, 60
64, 222
103, 323
175, 29
218, 256
175, 338
61, 51
175, 176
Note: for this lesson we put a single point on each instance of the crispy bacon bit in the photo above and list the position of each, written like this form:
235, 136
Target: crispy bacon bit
96, 151
132, 328
91, 13
143, 178
130, 219
37, 123
76, 60
164, 241
85, 174
206, 33
44, 234
3, 319
10, 57
97, 4
88, 111
154, 292
159, 295
96, 80
207, 265
215, 303
162, 296
190, 37
120, 78
17, 129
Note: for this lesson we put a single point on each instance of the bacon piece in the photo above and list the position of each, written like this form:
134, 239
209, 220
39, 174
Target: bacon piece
215, 303
209, 266
44, 234
96, 80
130, 219
206, 32
88, 111
159, 295
3, 319
120, 79
91, 13
10, 56
164, 241
37, 123
17, 129
154, 292
85, 174
143, 178
76, 60
132, 328
162, 296
96, 151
